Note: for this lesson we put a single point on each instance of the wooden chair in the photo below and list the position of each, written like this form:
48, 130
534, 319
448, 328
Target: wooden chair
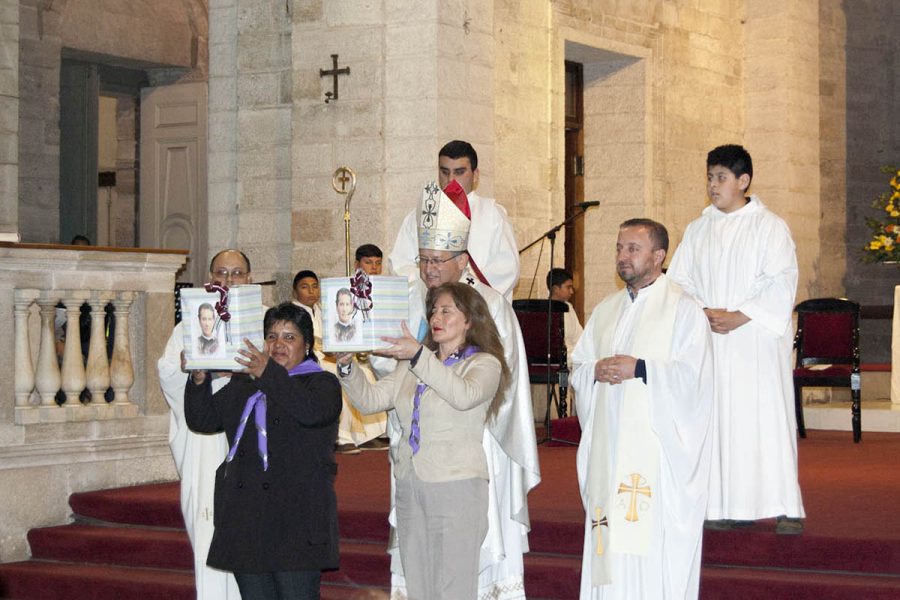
828, 335
546, 358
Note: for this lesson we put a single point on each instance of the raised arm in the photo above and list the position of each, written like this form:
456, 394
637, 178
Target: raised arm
476, 385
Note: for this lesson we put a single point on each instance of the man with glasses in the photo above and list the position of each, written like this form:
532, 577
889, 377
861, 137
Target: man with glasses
509, 441
198, 456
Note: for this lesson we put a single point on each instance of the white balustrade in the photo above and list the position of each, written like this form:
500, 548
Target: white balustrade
37, 283
96, 374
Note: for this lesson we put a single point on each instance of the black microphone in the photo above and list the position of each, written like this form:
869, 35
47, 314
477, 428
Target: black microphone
587, 205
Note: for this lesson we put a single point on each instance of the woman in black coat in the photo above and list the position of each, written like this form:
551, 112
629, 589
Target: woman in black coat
275, 507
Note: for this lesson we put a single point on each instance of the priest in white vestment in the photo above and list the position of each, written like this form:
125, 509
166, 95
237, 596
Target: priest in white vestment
197, 456
739, 261
643, 376
509, 440
494, 255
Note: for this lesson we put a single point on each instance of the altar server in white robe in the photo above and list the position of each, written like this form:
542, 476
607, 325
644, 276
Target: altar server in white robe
492, 249
644, 381
197, 456
509, 441
739, 261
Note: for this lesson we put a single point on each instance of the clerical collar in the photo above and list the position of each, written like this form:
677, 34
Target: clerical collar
633, 295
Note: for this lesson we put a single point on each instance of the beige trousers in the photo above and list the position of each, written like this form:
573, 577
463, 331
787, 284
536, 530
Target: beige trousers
440, 528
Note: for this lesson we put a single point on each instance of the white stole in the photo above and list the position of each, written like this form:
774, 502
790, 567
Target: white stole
622, 507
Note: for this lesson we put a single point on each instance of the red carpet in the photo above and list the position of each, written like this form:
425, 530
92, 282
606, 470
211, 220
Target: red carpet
850, 549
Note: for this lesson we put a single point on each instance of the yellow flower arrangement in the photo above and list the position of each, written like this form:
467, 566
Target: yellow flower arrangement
885, 243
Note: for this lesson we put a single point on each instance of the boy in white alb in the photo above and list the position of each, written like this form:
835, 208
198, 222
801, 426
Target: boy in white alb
739, 261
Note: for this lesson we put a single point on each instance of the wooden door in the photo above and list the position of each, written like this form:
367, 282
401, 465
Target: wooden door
574, 174
173, 212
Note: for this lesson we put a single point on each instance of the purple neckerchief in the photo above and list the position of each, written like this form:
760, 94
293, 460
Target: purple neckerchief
259, 401
414, 433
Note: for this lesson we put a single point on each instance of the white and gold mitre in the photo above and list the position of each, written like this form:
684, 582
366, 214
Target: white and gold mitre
444, 218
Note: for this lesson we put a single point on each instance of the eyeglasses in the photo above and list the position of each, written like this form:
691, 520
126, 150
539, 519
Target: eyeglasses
225, 274
433, 262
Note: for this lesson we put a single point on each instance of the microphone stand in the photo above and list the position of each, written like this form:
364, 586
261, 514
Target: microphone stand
562, 408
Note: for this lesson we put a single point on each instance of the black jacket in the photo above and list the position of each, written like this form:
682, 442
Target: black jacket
283, 519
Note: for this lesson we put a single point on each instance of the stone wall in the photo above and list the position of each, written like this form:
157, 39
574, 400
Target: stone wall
667, 87
132, 34
873, 140
372, 122
9, 116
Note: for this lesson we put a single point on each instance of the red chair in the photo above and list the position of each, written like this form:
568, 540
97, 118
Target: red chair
546, 358
828, 334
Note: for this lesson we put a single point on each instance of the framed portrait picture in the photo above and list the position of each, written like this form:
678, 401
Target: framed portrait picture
354, 321
212, 342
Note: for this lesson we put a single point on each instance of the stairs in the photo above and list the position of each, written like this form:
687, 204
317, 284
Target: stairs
130, 543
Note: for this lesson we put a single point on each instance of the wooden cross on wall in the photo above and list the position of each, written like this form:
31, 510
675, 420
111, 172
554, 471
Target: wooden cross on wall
334, 72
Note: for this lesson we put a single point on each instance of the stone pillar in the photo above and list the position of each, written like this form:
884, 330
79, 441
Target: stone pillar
9, 120
121, 370
222, 196
781, 93
39, 114
250, 132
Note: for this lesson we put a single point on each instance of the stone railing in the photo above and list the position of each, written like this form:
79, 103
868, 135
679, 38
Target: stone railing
76, 416
48, 286
38, 386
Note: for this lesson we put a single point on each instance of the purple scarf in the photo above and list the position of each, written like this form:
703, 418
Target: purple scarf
258, 400
414, 433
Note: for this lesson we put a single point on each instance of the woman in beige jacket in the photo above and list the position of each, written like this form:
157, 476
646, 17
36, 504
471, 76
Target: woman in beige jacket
443, 391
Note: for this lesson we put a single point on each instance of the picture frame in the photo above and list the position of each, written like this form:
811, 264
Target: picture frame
354, 324
212, 342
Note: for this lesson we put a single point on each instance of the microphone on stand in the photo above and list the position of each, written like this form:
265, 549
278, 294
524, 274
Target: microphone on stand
587, 205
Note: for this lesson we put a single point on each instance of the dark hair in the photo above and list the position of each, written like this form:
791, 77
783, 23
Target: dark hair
733, 157
205, 306
659, 235
80, 240
291, 313
342, 292
221, 252
557, 276
368, 250
459, 149
303, 275
482, 331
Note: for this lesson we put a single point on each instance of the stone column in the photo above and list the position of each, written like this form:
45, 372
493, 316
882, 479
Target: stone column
97, 364
73, 378
781, 94
47, 379
9, 119
24, 367
121, 371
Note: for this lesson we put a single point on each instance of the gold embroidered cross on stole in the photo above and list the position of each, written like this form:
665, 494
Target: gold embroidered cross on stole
638, 486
